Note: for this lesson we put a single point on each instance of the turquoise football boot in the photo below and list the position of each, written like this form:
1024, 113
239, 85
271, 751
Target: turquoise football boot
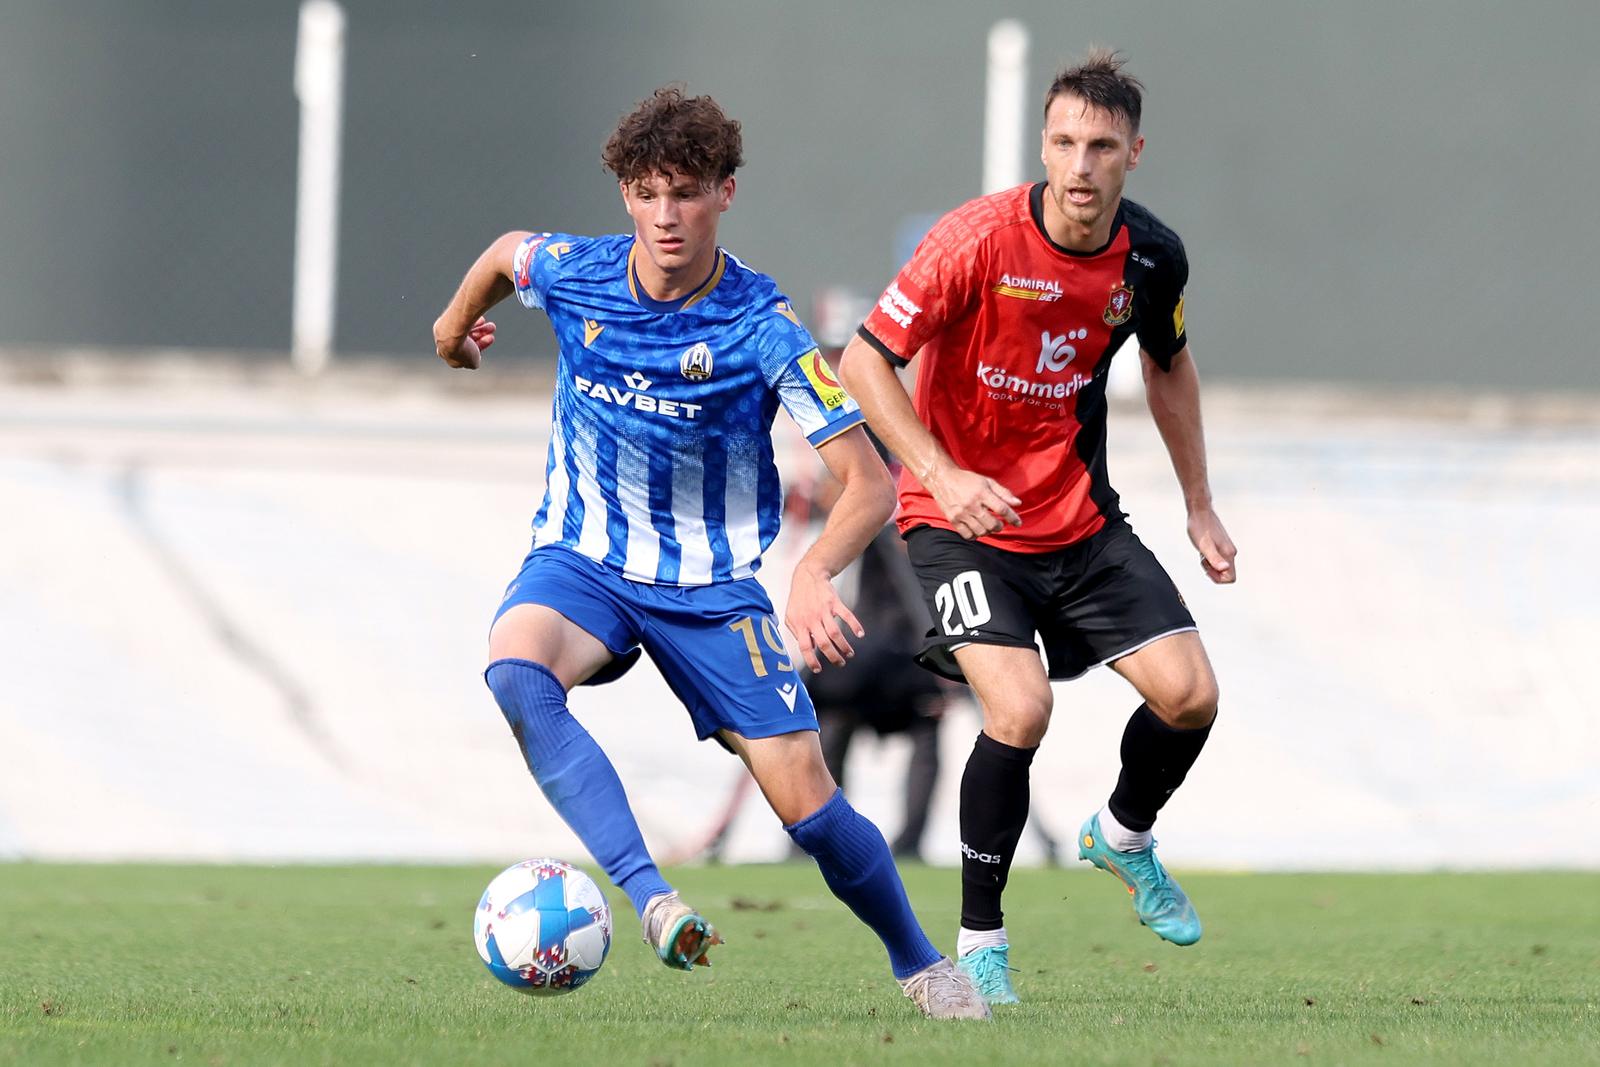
990, 970
1158, 899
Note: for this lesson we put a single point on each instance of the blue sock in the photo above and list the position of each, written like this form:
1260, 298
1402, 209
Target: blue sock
856, 864
575, 775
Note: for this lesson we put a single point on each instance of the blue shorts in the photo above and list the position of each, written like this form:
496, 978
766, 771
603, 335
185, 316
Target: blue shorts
718, 646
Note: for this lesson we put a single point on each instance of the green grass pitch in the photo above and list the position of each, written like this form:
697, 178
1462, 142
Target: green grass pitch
343, 965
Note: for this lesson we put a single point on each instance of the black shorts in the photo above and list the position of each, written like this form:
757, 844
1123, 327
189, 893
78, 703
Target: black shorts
1089, 603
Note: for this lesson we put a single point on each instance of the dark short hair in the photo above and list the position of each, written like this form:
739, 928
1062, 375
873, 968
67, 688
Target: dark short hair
670, 133
1100, 82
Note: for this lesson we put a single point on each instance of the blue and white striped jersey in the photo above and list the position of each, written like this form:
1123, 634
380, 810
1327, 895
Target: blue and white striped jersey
660, 463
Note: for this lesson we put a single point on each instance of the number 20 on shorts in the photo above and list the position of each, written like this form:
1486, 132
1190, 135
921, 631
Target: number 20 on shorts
746, 628
963, 595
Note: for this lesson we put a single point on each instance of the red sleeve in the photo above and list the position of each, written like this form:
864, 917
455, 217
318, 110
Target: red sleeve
931, 291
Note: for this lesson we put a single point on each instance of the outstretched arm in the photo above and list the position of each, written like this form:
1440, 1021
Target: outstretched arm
974, 505
865, 503
1174, 398
461, 333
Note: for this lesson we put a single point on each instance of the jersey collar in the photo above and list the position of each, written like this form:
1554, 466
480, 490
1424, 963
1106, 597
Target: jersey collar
1036, 209
650, 303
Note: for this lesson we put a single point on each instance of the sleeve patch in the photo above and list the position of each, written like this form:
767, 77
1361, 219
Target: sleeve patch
522, 262
523, 273
829, 391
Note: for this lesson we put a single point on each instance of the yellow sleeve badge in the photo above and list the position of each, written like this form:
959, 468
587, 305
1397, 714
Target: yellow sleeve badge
818, 373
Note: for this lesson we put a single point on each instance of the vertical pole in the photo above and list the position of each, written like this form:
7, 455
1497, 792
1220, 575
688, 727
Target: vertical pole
1005, 106
319, 86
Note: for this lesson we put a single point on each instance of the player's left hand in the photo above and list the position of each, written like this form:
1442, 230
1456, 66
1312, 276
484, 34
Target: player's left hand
813, 617
1216, 547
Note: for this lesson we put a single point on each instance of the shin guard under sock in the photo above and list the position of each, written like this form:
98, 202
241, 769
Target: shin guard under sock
994, 809
855, 862
575, 775
1155, 760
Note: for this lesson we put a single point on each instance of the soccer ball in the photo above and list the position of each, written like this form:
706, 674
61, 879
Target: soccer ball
542, 927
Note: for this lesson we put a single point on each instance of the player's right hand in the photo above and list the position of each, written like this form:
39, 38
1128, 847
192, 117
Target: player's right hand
973, 503
465, 353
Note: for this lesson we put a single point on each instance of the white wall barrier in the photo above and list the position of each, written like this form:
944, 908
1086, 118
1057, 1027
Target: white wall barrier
248, 626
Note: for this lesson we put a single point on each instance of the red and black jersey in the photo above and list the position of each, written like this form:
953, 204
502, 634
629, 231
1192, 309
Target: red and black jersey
1013, 336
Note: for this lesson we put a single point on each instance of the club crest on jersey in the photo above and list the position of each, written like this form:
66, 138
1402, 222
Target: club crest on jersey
1119, 309
695, 363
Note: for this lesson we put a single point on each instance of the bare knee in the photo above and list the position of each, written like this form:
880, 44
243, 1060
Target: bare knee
1189, 706
540, 635
1018, 719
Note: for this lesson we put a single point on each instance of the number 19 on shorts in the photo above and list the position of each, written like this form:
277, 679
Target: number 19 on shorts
963, 595
746, 628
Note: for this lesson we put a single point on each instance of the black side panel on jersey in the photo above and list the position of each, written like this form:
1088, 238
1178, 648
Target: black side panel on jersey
1090, 443
1157, 270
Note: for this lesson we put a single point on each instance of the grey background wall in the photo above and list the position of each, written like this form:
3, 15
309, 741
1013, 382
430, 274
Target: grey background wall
1371, 192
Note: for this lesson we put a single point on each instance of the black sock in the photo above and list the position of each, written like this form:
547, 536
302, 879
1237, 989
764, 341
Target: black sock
994, 809
1155, 759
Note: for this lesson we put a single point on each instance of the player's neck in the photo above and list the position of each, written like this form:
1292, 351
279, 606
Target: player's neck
666, 285
1073, 236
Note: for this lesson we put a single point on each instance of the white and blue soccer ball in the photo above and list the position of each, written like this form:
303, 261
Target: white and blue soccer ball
543, 927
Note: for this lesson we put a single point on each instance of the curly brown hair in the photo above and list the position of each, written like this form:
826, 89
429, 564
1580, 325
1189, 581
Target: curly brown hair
1100, 82
670, 133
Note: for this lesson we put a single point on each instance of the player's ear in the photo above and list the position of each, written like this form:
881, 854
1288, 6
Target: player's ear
725, 197
1133, 155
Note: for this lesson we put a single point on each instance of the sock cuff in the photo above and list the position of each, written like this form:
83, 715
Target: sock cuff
840, 838
527, 664
826, 813
1006, 752
1156, 723
534, 703
1127, 819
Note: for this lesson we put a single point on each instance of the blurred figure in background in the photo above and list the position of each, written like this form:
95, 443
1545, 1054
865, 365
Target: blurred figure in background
882, 688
